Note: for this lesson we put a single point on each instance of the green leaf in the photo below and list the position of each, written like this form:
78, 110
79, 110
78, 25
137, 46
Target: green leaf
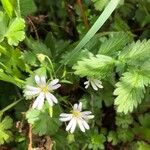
97, 25
125, 135
8, 7
97, 141
32, 115
143, 146
27, 7
136, 53
37, 47
145, 120
100, 4
98, 66
41, 121
124, 120
115, 43
130, 91
5, 125
113, 138
142, 132
12, 79
13, 30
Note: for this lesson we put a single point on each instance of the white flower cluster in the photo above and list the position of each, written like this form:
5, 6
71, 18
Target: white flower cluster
77, 117
44, 90
95, 83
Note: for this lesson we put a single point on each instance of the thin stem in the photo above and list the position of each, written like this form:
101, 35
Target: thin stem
85, 20
51, 66
30, 137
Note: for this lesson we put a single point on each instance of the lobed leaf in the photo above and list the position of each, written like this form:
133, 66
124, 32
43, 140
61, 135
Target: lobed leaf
130, 91
5, 125
98, 66
115, 43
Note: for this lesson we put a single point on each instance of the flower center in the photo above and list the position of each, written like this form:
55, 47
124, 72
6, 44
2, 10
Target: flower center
44, 89
76, 113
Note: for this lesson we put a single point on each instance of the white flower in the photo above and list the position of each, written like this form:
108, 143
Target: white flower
77, 117
42, 91
95, 83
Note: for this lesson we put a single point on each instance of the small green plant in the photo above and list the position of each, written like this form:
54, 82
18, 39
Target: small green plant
64, 89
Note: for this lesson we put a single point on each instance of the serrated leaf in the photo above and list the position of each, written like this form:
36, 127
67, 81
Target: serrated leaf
113, 138
13, 30
136, 53
32, 115
41, 121
97, 141
98, 66
116, 42
125, 135
124, 120
37, 47
130, 91
5, 125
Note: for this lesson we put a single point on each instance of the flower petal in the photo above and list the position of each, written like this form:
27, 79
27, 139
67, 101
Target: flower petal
64, 115
72, 121
85, 124
80, 106
94, 86
43, 80
41, 102
86, 112
54, 87
90, 116
80, 123
38, 103
51, 98
37, 80
53, 82
98, 83
75, 107
86, 83
73, 127
31, 91
65, 119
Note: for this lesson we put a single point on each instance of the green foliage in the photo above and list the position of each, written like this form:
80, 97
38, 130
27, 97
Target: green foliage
136, 53
125, 135
142, 146
42, 122
124, 120
12, 29
145, 120
115, 50
114, 44
27, 7
97, 141
5, 126
130, 91
7, 5
113, 137
100, 4
98, 66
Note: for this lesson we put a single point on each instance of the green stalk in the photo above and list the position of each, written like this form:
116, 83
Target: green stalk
9, 106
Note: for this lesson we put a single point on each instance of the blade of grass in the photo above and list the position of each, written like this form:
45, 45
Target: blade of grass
10, 106
97, 25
